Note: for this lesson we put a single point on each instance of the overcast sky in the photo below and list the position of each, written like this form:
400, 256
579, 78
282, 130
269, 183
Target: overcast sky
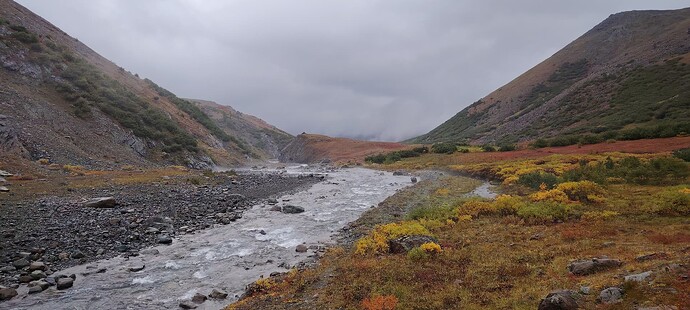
372, 69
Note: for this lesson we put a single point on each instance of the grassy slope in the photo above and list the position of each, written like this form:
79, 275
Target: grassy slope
503, 260
610, 79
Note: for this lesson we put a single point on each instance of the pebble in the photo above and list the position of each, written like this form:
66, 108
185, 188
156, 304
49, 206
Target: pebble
165, 239
21, 263
37, 266
301, 248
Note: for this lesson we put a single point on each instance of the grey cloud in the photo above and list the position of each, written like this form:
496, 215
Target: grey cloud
375, 69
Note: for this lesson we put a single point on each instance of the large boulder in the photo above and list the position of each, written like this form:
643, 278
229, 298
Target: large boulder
7, 293
290, 209
611, 295
407, 243
64, 283
559, 300
594, 265
101, 202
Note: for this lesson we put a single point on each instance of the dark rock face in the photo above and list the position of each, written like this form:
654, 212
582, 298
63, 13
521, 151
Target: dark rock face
559, 300
101, 202
290, 209
407, 243
590, 266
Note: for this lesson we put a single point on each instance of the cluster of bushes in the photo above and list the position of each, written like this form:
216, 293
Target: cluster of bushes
85, 87
444, 148
683, 154
193, 111
633, 170
377, 241
392, 157
660, 131
655, 171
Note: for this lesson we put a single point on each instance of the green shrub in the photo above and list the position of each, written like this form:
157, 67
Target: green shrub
417, 254
540, 143
375, 159
683, 154
535, 179
24, 37
546, 211
507, 148
441, 212
488, 148
444, 148
655, 171
673, 201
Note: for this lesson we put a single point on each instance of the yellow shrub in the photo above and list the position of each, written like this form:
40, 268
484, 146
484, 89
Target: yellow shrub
684, 190
550, 195
464, 218
599, 215
442, 192
44, 161
377, 240
506, 204
431, 248
77, 170
474, 208
584, 191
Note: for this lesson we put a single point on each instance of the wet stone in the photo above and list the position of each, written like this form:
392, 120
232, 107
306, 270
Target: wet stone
216, 294
199, 298
64, 283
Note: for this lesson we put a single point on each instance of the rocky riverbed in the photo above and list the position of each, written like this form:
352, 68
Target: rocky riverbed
65, 231
204, 254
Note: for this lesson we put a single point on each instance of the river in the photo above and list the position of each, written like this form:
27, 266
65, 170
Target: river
228, 257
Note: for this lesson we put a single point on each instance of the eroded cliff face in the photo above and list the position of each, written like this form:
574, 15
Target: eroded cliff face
311, 148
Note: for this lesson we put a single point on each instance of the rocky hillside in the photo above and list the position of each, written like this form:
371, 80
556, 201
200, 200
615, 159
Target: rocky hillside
256, 137
627, 78
311, 148
61, 103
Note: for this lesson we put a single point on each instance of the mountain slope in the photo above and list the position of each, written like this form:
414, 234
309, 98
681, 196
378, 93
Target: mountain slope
255, 136
628, 77
64, 103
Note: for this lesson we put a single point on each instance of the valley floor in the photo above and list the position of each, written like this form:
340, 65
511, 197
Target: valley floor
607, 230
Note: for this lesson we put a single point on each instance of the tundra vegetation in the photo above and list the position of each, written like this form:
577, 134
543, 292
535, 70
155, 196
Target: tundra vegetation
511, 251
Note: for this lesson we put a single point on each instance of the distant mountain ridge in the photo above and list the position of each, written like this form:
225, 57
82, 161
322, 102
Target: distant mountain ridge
63, 103
628, 77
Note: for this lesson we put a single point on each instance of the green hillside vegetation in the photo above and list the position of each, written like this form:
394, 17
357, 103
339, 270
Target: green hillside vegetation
82, 85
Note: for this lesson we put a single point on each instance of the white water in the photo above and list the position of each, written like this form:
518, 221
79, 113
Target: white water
226, 257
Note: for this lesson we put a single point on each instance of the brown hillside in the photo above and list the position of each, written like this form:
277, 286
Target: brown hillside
311, 148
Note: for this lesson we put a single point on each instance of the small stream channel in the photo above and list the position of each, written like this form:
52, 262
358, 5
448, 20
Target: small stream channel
226, 257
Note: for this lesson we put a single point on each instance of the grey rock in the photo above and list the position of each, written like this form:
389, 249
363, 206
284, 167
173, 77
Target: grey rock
611, 295
21, 263
101, 202
38, 274
64, 283
165, 239
272, 201
413, 179
216, 294
149, 252
651, 256
199, 298
4, 173
301, 248
559, 300
290, 209
8, 269
35, 289
136, 268
590, 266
77, 255
407, 243
4, 189
7, 293
638, 277
37, 266
187, 305
276, 208
2, 180
50, 280
398, 173
585, 290
26, 279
